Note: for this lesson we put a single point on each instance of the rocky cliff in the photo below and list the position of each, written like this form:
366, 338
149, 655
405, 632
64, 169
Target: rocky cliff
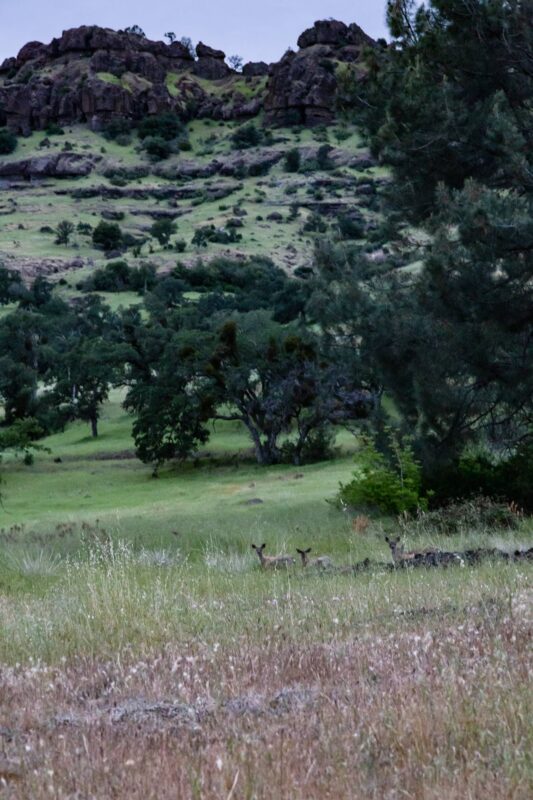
92, 74
302, 86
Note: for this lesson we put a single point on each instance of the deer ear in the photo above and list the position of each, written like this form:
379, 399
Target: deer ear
254, 547
299, 551
386, 539
263, 546
308, 550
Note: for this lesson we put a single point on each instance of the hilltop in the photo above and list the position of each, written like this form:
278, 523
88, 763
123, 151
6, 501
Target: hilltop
92, 74
259, 163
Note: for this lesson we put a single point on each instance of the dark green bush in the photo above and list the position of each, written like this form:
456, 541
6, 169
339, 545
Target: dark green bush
315, 224
259, 168
117, 127
8, 141
293, 160
53, 129
157, 147
107, 235
167, 126
323, 157
118, 276
84, 228
350, 228
474, 475
246, 136
209, 233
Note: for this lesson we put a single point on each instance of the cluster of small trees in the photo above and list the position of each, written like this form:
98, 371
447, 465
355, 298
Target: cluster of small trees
182, 368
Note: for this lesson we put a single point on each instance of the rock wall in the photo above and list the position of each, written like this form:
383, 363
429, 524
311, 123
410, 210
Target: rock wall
92, 74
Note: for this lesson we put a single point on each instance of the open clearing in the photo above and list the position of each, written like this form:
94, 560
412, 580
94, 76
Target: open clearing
145, 654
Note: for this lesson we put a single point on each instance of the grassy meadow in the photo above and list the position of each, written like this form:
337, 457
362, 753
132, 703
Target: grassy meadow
145, 654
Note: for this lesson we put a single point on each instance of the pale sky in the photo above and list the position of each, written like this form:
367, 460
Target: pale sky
258, 30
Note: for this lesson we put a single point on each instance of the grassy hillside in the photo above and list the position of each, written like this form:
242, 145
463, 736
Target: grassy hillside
29, 212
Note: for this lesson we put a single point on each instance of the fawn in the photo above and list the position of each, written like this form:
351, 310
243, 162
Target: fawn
272, 562
322, 562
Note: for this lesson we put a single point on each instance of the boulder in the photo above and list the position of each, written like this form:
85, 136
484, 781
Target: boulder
255, 69
328, 31
210, 64
204, 51
30, 51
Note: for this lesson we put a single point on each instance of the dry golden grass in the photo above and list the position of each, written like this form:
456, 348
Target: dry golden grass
429, 708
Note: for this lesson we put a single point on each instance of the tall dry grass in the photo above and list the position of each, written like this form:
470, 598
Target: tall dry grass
149, 677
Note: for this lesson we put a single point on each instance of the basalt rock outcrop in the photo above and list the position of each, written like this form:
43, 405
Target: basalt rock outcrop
91, 75
302, 87
57, 165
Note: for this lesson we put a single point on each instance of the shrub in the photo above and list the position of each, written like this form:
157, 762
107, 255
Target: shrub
8, 141
157, 147
390, 484
208, 233
167, 126
474, 475
315, 224
259, 168
323, 160
246, 136
107, 235
118, 276
293, 160
124, 139
350, 228
117, 127
53, 129
466, 515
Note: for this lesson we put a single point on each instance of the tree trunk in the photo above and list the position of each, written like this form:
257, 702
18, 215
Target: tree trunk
94, 426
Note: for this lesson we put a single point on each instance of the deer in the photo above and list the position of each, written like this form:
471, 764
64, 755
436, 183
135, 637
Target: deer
400, 556
425, 558
322, 562
272, 562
